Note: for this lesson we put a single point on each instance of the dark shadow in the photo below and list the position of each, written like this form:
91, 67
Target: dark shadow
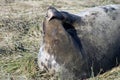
73, 33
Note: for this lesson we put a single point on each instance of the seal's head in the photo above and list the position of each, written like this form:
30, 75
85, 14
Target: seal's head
60, 49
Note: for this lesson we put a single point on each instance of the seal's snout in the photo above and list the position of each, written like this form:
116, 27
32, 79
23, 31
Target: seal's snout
53, 13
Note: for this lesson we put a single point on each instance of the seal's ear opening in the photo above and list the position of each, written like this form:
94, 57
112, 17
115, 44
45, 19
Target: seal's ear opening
53, 13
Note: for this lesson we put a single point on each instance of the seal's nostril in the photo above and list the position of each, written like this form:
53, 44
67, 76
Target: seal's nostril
46, 15
50, 14
53, 13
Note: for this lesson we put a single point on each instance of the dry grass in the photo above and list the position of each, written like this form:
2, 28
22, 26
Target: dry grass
20, 33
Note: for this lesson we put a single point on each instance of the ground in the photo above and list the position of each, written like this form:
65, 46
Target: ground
20, 36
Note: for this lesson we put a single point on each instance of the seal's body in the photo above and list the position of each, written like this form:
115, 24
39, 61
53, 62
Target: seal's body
73, 44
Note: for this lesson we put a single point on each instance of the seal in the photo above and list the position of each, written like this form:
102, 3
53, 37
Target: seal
60, 51
76, 45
